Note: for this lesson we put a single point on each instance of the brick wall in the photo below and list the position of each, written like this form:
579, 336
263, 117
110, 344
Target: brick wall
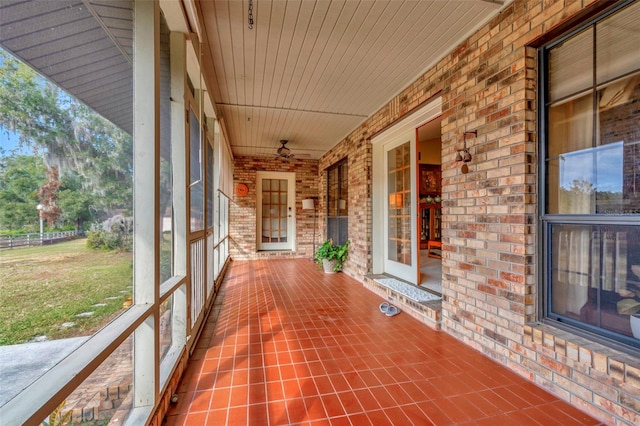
489, 214
357, 149
242, 226
489, 84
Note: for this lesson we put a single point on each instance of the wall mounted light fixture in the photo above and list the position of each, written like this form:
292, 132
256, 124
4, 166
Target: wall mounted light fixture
310, 204
463, 154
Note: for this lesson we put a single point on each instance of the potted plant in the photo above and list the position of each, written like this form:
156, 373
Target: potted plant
331, 256
630, 305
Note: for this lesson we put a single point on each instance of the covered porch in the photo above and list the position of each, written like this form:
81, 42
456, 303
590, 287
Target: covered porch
288, 344
413, 127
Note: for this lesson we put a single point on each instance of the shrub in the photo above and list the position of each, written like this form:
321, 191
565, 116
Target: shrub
113, 234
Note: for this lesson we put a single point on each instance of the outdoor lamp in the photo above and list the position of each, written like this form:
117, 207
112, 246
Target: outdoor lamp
309, 204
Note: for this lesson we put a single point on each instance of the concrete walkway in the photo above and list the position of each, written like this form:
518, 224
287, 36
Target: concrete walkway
21, 365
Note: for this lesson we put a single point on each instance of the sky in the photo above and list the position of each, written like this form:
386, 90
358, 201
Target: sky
602, 166
9, 141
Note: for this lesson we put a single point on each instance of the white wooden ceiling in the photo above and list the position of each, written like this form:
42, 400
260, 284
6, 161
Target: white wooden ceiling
310, 71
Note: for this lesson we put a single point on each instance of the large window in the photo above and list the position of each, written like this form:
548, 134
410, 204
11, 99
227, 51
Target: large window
338, 202
591, 175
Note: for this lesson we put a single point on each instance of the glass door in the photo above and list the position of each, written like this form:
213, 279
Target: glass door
275, 211
395, 234
400, 227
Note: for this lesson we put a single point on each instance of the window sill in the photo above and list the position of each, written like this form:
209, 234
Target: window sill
570, 348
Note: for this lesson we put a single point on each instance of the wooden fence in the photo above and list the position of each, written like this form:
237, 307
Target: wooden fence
35, 239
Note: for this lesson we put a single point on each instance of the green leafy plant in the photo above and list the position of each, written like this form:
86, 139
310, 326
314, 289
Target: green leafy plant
330, 251
114, 234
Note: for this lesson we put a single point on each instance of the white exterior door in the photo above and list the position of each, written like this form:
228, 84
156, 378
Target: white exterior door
395, 241
400, 230
275, 211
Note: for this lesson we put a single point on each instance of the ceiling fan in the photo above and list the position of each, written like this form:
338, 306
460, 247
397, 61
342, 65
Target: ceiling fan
283, 151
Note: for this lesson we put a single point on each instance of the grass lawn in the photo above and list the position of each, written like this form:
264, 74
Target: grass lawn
42, 288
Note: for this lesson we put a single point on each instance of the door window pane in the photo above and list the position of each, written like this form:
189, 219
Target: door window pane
399, 204
274, 210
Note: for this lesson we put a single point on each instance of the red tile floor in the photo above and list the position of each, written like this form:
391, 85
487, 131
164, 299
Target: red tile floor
287, 344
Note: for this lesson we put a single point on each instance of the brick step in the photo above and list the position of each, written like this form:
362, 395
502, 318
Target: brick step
408, 298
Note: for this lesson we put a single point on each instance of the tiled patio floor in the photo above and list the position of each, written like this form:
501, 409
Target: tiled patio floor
288, 344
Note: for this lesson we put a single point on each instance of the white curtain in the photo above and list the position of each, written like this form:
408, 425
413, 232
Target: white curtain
582, 257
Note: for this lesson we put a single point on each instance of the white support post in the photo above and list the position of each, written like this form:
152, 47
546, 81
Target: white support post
178, 165
146, 249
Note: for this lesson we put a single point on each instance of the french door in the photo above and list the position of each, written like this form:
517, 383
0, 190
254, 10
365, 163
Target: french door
400, 230
395, 241
275, 211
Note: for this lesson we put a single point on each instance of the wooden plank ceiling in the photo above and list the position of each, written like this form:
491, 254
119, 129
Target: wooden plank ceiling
311, 71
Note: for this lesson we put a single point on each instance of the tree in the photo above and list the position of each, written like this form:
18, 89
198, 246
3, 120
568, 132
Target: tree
48, 194
78, 206
67, 134
577, 198
20, 178
581, 186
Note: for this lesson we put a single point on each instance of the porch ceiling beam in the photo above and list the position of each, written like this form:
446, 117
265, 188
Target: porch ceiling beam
92, 10
341, 114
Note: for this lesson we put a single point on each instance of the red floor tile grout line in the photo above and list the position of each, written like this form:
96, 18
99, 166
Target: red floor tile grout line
292, 345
